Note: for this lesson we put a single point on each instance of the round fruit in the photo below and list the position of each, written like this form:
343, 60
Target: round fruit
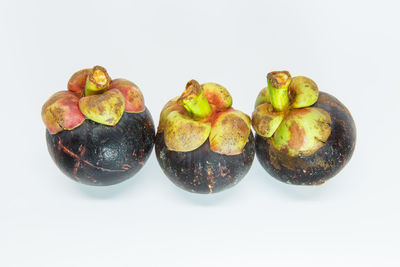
310, 140
202, 144
99, 132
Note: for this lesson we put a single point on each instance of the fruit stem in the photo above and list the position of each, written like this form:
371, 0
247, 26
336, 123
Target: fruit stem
194, 101
278, 84
97, 81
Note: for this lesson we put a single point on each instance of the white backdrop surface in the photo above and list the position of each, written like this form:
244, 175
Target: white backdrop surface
350, 48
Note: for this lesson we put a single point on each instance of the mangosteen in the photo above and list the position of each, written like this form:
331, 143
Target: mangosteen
303, 136
99, 131
203, 145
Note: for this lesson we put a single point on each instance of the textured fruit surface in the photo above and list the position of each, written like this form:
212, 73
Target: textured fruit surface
203, 170
324, 163
97, 154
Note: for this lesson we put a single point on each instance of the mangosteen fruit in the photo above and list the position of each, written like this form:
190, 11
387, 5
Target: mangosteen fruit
203, 145
303, 136
99, 131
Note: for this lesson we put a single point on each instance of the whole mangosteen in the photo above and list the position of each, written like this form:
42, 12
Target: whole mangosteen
204, 145
99, 132
303, 136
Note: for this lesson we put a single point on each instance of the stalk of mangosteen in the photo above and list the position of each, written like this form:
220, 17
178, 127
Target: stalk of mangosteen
303, 136
99, 131
202, 144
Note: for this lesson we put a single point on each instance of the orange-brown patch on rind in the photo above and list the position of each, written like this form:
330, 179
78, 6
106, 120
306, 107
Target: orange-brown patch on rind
77, 81
134, 100
297, 136
217, 95
106, 108
61, 112
303, 131
183, 134
230, 132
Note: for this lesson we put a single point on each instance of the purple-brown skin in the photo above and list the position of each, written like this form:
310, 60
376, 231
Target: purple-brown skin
108, 146
203, 170
203, 145
100, 155
323, 164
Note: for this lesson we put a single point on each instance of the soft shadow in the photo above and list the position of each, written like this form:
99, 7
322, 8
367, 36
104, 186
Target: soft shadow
215, 199
294, 192
112, 191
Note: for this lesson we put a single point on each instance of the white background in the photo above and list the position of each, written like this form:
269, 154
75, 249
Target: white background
350, 48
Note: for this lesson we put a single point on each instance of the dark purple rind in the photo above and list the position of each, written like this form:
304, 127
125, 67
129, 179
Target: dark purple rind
322, 165
97, 154
202, 170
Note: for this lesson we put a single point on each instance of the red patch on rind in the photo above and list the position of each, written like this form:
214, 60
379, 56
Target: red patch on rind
77, 82
134, 101
216, 100
61, 112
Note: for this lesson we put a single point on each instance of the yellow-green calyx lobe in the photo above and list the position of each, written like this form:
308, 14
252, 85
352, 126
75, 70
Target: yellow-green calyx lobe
97, 81
263, 97
217, 96
61, 112
303, 131
266, 120
283, 113
106, 108
184, 134
230, 132
167, 109
303, 92
201, 112
278, 84
195, 101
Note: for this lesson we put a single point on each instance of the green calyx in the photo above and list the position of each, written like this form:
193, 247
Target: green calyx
97, 81
303, 131
194, 101
303, 92
283, 113
265, 120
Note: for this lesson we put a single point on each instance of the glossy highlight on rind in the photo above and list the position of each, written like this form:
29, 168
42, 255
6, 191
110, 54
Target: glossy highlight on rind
96, 154
324, 163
